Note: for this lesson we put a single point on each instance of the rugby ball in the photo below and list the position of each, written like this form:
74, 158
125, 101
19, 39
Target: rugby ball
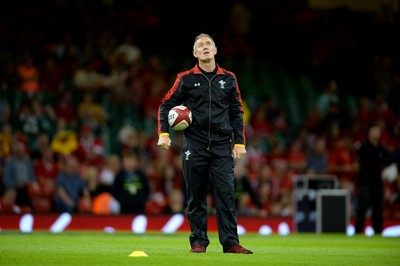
179, 117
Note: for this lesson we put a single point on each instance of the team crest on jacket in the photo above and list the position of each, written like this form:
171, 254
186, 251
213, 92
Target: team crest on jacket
187, 154
222, 84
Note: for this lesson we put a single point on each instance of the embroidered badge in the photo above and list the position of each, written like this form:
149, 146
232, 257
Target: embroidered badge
222, 84
187, 153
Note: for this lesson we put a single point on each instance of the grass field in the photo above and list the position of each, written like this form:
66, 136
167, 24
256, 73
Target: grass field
97, 248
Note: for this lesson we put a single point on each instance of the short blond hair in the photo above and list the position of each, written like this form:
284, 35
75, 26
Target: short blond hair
201, 35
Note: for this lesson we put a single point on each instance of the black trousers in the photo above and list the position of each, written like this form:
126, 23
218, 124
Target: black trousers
199, 166
369, 196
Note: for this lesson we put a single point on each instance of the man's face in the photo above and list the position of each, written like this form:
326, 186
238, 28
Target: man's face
205, 49
374, 134
130, 163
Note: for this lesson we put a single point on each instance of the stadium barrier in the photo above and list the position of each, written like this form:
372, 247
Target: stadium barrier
168, 224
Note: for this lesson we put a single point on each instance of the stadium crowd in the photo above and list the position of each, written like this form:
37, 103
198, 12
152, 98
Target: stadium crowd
79, 101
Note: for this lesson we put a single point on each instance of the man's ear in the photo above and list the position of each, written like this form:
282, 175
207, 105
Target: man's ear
215, 50
194, 54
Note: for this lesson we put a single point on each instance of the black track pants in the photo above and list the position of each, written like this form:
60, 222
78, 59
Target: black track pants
215, 164
370, 196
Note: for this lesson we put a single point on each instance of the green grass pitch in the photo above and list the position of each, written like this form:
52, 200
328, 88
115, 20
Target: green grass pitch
98, 248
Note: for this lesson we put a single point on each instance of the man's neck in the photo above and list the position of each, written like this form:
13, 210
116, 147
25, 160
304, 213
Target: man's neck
207, 66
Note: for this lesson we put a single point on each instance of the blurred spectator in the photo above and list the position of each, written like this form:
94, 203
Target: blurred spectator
328, 97
69, 53
107, 41
317, 158
45, 115
91, 113
6, 139
64, 108
256, 155
391, 184
380, 110
333, 119
90, 77
312, 122
283, 206
259, 122
246, 198
176, 201
105, 204
264, 194
354, 132
371, 157
28, 123
128, 138
87, 78
90, 148
71, 189
50, 76
19, 177
28, 75
143, 150
267, 174
364, 113
64, 142
155, 77
103, 201
271, 109
131, 186
171, 189
177, 197
277, 155
296, 156
90, 175
267, 187
108, 173
128, 52
46, 170
280, 123
342, 163
35, 118
41, 145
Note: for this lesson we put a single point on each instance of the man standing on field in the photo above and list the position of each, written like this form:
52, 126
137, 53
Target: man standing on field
212, 141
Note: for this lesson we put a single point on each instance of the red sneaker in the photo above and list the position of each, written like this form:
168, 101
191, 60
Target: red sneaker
238, 249
197, 248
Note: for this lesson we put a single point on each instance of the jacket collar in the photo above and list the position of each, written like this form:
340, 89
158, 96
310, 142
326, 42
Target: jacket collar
196, 69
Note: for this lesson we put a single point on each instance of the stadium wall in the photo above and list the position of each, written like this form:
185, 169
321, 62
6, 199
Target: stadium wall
57, 223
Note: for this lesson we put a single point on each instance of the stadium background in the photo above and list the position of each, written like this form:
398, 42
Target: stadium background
284, 53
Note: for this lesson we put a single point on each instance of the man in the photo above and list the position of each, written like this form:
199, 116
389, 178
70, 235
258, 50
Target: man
19, 178
372, 157
213, 96
71, 191
131, 186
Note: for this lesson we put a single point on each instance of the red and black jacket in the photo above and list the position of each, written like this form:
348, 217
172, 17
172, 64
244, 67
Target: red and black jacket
215, 103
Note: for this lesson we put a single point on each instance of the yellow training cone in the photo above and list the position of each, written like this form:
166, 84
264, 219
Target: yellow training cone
138, 254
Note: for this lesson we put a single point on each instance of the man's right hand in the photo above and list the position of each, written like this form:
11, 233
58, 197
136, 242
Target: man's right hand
164, 141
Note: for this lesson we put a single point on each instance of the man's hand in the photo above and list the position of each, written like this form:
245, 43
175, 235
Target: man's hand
164, 141
239, 151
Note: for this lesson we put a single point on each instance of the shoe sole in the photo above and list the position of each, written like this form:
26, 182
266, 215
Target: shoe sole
238, 252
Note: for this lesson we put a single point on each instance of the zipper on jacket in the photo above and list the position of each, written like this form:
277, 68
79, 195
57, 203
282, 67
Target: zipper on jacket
209, 110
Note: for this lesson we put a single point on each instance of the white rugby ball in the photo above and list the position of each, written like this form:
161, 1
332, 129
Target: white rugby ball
179, 117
